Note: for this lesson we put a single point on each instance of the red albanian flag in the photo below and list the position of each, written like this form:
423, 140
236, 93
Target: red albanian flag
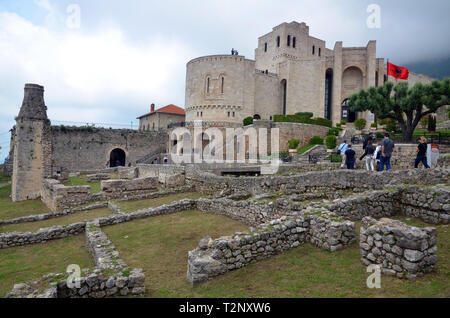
397, 71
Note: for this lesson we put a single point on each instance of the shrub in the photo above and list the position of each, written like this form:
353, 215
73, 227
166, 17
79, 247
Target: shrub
293, 143
374, 125
248, 121
316, 140
331, 142
305, 114
391, 125
379, 135
343, 123
323, 122
334, 132
432, 123
339, 125
360, 124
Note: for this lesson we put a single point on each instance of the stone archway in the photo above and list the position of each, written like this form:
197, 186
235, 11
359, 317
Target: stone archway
117, 158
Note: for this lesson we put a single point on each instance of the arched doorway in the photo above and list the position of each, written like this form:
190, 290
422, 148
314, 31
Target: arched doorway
347, 114
117, 158
328, 92
257, 117
284, 96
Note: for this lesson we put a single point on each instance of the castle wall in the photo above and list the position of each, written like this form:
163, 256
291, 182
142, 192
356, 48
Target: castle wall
215, 104
78, 148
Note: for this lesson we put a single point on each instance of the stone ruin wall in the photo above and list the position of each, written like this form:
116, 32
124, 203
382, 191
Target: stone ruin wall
400, 250
216, 257
358, 181
79, 148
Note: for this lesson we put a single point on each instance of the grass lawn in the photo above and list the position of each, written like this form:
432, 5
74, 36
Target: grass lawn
12, 210
63, 221
21, 264
159, 245
132, 206
96, 187
304, 149
4, 179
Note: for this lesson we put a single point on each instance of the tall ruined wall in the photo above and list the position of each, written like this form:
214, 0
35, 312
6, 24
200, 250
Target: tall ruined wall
78, 148
32, 150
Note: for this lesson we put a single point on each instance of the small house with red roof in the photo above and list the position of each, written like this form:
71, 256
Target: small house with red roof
162, 119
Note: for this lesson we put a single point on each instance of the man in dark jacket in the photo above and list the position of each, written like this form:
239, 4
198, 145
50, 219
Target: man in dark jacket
366, 141
350, 155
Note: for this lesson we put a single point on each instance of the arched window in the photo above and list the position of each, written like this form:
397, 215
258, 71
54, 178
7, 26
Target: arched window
294, 42
283, 95
153, 126
278, 41
228, 114
222, 85
328, 93
288, 40
320, 51
208, 82
313, 50
265, 47
376, 79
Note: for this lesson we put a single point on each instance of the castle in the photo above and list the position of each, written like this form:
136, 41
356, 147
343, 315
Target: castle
292, 72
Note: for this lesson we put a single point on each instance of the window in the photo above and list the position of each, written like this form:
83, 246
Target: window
313, 50
376, 79
234, 114
201, 114
294, 42
153, 126
208, 81
223, 83
278, 41
265, 47
228, 114
288, 40
320, 51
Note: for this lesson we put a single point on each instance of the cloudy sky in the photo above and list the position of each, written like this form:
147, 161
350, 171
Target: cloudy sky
124, 55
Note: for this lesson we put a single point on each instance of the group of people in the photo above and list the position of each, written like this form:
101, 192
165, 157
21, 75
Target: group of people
234, 52
378, 154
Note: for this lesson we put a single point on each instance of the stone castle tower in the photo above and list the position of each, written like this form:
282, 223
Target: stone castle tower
292, 72
32, 146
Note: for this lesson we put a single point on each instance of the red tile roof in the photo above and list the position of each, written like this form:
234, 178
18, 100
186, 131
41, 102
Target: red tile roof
169, 109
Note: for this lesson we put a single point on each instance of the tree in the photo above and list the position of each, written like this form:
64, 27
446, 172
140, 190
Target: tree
248, 121
360, 124
407, 106
331, 142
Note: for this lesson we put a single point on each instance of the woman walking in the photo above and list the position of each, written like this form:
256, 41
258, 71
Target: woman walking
369, 152
377, 155
422, 153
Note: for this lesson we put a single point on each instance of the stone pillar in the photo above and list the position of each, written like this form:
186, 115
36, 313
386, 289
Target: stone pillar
337, 84
32, 148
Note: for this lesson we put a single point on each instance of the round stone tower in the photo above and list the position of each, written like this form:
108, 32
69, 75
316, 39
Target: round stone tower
32, 146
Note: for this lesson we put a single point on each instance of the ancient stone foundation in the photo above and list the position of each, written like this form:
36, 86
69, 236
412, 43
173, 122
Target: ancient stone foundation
216, 257
399, 249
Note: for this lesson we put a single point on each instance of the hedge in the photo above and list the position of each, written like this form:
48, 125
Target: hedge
302, 120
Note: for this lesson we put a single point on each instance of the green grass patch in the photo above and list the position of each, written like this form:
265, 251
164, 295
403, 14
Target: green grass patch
11, 210
4, 179
304, 149
62, 221
96, 187
132, 206
22, 264
160, 246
